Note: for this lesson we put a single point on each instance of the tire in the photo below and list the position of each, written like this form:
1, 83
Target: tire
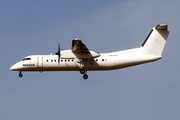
82, 71
20, 75
85, 76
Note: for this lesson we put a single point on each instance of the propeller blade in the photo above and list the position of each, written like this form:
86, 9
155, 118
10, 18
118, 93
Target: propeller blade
58, 53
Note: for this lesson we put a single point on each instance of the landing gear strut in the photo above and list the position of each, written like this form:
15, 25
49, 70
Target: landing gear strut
82, 71
20, 74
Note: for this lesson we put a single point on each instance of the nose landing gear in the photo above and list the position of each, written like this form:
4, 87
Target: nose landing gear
20, 74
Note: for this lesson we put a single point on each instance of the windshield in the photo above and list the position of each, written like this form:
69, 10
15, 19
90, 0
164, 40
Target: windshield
26, 59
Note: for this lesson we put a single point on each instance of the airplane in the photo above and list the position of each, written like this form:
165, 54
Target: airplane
82, 59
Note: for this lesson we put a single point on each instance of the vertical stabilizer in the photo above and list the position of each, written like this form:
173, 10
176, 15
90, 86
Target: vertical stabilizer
155, 41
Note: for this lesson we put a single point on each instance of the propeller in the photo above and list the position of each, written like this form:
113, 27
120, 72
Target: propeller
58, 52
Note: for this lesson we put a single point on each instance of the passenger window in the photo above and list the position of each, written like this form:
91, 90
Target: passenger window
102, 59
61, 60
96, 59
51, 60
54, 60
47, 60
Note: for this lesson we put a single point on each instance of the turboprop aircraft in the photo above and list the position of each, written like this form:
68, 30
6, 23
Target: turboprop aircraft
80, 58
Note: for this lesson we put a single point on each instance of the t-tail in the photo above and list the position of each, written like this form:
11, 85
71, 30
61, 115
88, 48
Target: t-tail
155, 41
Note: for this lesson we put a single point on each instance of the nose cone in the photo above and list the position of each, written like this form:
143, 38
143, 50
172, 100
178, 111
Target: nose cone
14, 67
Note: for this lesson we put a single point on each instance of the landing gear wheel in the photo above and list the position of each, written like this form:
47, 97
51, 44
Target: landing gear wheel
85, 76
20, 75
82, 71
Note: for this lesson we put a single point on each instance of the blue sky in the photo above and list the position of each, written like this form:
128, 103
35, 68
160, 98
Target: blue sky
149, 91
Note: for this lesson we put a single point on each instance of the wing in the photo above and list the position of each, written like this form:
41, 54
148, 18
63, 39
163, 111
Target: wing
78, 46
81, 51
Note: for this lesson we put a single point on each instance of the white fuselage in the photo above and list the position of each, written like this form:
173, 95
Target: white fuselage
107, 61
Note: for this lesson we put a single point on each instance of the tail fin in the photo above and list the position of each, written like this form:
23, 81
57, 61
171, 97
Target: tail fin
155, 41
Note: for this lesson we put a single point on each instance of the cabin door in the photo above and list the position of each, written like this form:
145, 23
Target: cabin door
40, 62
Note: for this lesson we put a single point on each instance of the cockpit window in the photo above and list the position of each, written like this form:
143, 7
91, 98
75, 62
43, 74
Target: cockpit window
26, 59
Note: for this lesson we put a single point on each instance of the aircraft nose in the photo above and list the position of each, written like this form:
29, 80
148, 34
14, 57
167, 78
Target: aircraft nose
14, 67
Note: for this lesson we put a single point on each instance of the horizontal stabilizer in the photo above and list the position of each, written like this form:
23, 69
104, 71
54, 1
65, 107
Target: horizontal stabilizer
162, 27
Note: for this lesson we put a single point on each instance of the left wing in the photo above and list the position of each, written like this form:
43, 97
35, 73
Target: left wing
81, 51
78, 46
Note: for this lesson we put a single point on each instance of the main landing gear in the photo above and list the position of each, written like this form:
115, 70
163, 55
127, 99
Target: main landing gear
85, 76
82, 71
20, 74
